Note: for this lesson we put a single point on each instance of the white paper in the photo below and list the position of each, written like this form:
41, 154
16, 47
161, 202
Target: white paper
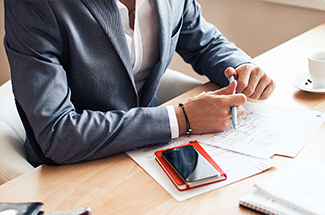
265, 130
236, 166
258, 201
301, 186
295, 146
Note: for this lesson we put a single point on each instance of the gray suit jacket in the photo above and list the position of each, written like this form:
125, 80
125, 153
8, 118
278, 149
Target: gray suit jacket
73, 81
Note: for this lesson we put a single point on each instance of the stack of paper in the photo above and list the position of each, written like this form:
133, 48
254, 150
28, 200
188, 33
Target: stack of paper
261, 132
266, 130
299, 189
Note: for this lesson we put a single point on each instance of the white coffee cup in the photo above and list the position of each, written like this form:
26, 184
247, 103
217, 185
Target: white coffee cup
316, 64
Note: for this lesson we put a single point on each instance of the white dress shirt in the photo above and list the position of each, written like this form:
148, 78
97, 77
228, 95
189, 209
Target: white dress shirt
143, 46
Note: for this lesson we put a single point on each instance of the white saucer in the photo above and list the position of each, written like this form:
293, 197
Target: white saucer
301, 82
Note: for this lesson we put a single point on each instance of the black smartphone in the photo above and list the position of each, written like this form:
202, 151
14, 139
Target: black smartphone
191, 166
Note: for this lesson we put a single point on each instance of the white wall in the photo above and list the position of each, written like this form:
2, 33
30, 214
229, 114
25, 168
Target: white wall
255, 26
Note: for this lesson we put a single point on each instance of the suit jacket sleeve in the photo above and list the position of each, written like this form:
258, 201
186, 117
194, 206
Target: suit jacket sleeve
208, 51
42, 37
57, 132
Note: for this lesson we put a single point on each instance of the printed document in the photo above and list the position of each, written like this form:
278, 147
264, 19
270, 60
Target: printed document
263, 131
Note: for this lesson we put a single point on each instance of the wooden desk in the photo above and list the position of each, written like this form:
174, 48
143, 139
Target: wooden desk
117, 185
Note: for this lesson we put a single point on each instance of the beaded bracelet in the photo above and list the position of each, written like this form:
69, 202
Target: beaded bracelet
188, 126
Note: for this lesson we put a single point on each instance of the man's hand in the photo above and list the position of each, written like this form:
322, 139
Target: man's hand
210, 112
252, 81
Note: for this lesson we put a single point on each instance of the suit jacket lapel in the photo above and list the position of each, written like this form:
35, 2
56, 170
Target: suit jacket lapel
163, 9
108, 16
153, 81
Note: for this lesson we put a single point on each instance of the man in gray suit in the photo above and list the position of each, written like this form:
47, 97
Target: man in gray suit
85, 74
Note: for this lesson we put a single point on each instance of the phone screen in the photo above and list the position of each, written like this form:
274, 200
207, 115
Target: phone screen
190, 164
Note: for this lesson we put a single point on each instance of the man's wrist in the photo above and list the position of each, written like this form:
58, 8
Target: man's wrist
187, 122
180, 119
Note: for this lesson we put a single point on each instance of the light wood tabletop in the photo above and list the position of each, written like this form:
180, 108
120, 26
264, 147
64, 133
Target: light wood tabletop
117, 185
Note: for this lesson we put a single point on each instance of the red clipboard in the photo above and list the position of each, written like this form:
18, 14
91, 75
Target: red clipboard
173, 175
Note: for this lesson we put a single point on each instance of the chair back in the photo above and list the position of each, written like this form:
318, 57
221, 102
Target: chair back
12, 137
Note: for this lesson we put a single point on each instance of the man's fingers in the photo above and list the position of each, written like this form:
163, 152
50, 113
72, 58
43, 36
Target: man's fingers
230, 72
260, 86
228, 90
256, 82
243, 78
240, 111
268, 91
229, 99
236, 100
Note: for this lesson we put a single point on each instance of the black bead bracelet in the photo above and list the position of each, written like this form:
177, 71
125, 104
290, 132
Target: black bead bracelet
188, 126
